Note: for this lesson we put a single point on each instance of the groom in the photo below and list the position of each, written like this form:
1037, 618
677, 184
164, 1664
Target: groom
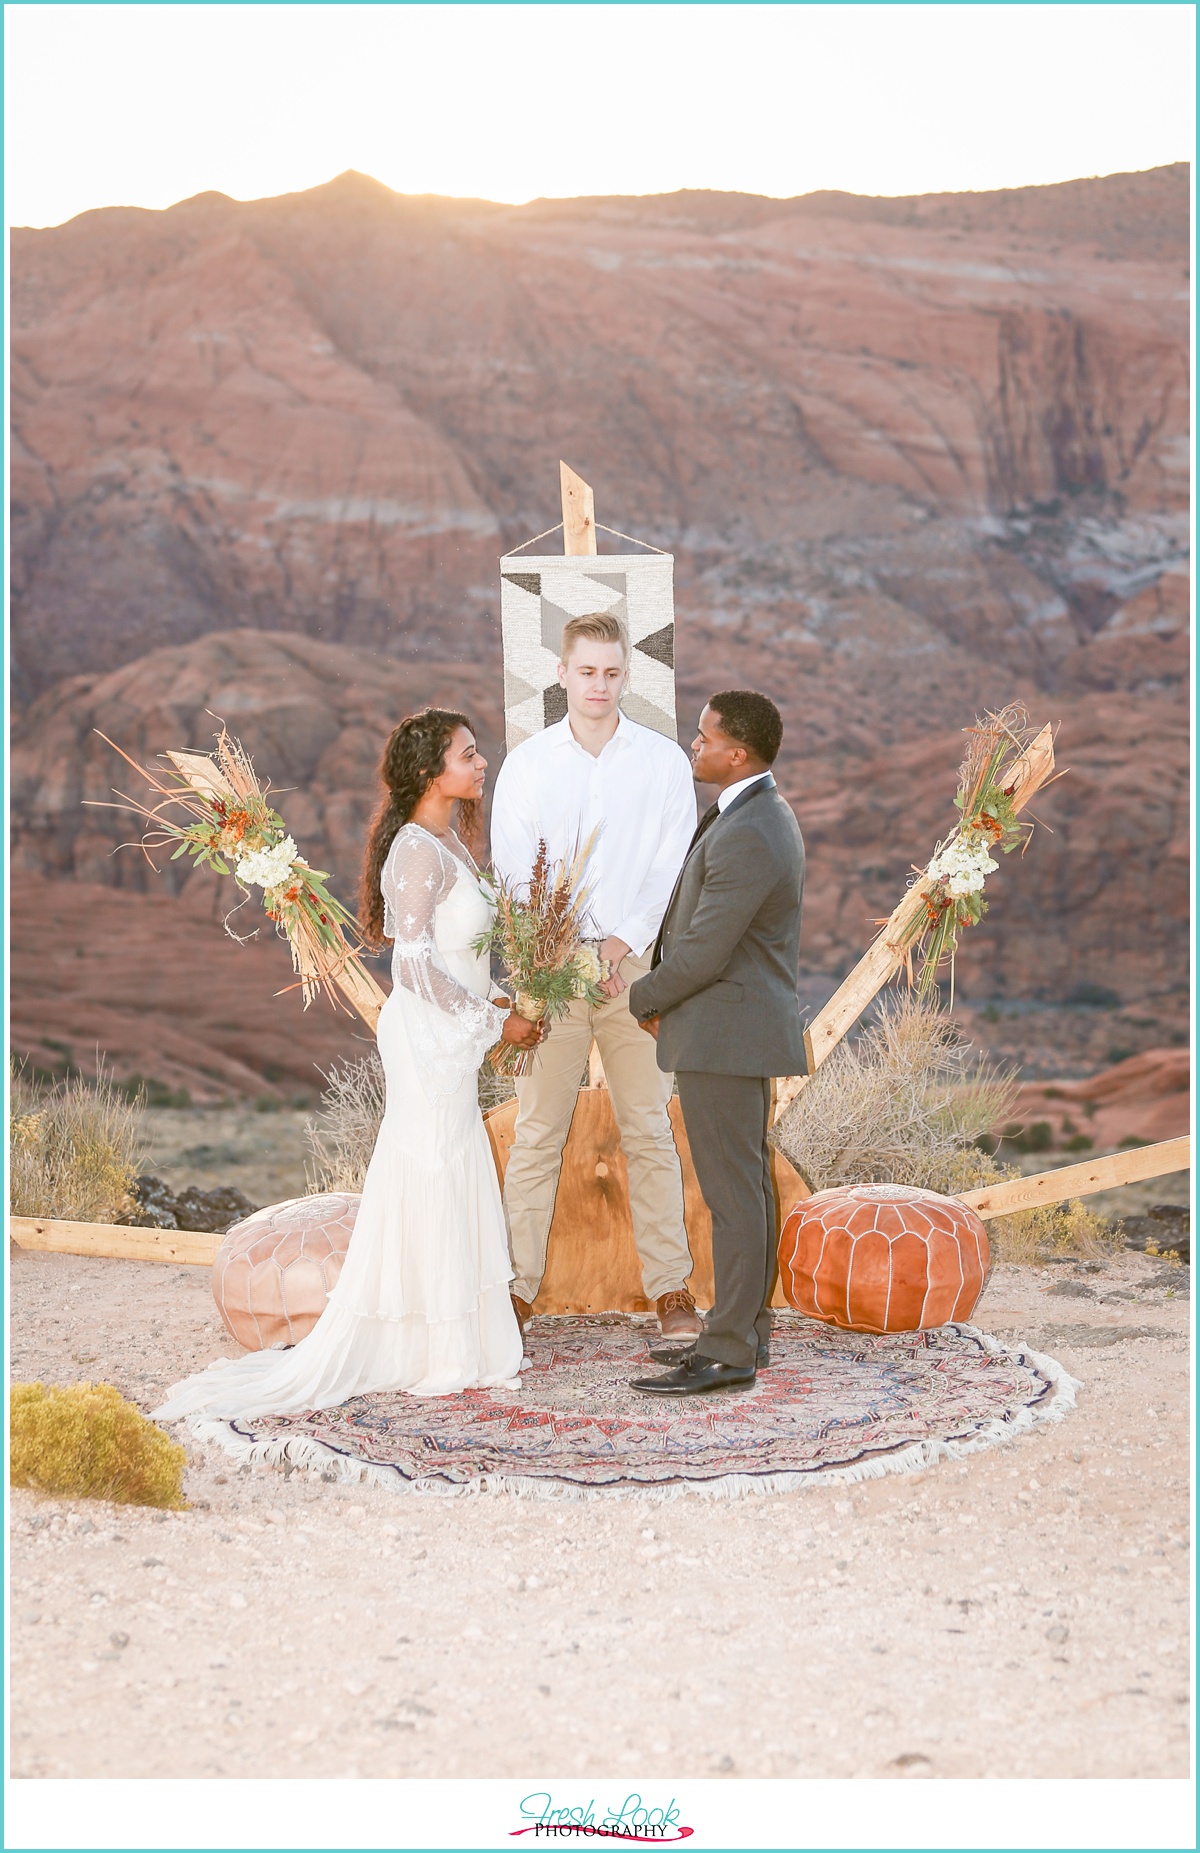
720, 1001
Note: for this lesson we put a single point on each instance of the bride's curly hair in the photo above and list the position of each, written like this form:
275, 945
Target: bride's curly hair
413, 757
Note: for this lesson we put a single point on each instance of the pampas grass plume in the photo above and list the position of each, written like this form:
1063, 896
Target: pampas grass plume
84, 1441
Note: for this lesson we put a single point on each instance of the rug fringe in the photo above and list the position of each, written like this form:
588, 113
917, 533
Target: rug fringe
303, 1451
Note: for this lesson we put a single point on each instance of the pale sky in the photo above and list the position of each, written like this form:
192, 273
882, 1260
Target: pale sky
148, 104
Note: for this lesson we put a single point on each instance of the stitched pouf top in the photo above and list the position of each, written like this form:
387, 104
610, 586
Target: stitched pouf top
275, 1269
883, 1258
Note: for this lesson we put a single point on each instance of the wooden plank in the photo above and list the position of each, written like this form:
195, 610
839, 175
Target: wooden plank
579, 512
1131, 1167
115, 1241
885, 955
361, 992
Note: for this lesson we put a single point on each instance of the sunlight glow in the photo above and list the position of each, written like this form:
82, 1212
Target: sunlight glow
148, 104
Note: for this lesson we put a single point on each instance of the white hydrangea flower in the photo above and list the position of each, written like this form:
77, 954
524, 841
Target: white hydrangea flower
963, 866
268, 868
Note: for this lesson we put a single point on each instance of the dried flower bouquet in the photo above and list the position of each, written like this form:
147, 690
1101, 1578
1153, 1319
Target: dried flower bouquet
951, 888
234, 830
538, 930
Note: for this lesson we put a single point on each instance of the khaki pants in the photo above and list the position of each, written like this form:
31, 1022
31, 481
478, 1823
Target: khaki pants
640, 1092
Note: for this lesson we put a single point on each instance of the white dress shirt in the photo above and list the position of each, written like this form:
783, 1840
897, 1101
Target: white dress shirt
725, 798
639, 790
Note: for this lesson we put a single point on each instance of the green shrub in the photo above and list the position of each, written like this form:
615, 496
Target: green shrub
84, 1441
75, 1150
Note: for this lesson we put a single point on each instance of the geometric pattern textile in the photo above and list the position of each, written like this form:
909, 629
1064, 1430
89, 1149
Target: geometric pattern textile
831, 1406
275, 1270
539, 592
883, 1257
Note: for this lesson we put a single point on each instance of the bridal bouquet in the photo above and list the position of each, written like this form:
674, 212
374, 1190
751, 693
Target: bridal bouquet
538, 930
951, 891
233, 830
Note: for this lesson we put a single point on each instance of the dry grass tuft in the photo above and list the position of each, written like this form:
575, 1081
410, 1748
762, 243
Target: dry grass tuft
343, 1131
906, 1105
84, 1441
494, 1089
1054, 1229
75, 1150
903, 1105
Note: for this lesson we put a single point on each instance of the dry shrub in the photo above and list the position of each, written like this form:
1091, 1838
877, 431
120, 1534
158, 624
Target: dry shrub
906, 1105
75, 1150
902, 1105
494, 1089
1054, 1230
343, 1131
84, 1441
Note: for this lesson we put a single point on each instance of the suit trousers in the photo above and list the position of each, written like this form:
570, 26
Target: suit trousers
640, 1093
726, 1117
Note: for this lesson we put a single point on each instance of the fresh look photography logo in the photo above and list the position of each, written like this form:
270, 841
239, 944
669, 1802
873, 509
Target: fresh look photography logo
634, 1819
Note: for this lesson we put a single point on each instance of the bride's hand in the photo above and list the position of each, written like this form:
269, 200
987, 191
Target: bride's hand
522, 1032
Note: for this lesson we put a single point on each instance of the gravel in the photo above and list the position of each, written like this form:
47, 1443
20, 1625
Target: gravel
1023, 1613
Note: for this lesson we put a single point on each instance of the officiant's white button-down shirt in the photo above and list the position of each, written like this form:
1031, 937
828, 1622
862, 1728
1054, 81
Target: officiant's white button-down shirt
639, 789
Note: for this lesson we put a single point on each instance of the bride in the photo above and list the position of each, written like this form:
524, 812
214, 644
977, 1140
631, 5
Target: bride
422, 1301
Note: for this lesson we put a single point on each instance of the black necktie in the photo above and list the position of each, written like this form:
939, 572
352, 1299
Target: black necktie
710, 817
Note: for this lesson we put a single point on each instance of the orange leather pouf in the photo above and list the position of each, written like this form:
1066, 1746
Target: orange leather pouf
882, 1258
275, 1269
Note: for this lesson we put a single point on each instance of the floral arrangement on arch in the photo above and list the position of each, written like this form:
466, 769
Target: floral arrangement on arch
953, 882
234, 830
538, 930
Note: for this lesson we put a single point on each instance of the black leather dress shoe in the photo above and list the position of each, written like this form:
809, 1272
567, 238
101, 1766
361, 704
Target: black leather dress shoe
695, 1374
672, 1354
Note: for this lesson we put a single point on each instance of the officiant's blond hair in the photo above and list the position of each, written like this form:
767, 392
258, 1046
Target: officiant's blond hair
598, 627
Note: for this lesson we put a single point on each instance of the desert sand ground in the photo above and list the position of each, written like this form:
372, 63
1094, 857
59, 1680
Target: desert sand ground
1022, 1613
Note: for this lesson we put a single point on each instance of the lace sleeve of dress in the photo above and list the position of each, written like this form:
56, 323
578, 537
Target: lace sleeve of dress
450, 1028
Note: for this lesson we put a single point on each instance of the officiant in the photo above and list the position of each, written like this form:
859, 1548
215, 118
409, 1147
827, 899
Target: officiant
596, 768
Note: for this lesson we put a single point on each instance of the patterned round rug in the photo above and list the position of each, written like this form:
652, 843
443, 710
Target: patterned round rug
831, 1406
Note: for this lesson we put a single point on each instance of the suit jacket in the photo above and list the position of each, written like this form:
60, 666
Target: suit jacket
723, 979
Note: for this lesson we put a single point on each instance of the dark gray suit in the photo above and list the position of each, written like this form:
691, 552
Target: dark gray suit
723, 982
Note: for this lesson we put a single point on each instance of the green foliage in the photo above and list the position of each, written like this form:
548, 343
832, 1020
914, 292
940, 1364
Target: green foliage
75, 1149
151, 1092
84, 1441
1036, 1138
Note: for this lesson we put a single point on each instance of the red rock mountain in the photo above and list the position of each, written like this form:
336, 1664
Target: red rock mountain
914, 458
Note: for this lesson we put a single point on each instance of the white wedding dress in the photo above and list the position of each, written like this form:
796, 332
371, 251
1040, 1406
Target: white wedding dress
422, 1301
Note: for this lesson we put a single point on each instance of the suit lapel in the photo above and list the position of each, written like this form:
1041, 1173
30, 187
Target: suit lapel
713, 816
706, 822
765, 783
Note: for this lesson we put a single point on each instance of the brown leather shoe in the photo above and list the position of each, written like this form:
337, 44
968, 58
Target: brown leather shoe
523, 1310
678, 1320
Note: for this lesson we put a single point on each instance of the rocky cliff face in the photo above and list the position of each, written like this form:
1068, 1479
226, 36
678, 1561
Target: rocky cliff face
914, 458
